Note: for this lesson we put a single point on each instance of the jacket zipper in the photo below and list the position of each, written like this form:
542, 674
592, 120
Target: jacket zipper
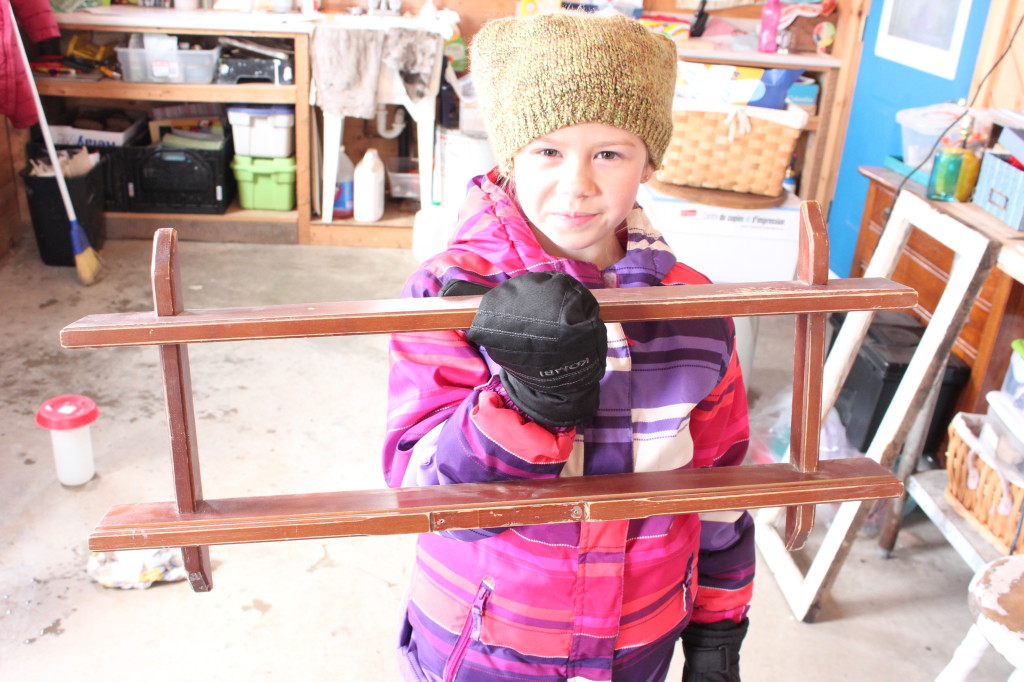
471, 629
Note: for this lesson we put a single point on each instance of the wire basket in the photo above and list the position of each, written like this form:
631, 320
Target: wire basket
728, 147
980, 489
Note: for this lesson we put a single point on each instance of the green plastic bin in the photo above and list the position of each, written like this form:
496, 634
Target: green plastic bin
265, 183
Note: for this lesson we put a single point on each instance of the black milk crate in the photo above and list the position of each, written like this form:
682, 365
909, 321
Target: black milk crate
161, 179
115, 196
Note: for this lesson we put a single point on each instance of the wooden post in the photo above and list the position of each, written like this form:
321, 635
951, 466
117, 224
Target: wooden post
181, 421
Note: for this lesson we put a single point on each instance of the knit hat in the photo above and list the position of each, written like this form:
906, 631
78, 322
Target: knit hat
538, 73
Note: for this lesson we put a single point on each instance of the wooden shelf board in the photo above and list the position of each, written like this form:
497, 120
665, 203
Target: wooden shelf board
433, 313
108, 88
234, 225
928, 490
810, 61
393, 230
488, 505
186, 22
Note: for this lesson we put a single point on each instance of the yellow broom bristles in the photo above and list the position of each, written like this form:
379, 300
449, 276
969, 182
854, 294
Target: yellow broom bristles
88, 265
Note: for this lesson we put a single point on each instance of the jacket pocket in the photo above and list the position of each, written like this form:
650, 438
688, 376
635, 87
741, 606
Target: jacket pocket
470, 629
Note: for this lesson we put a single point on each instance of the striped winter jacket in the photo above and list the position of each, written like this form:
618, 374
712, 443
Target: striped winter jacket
575, 601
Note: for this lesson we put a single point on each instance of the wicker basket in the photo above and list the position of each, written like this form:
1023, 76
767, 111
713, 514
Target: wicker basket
977, 490
737, 148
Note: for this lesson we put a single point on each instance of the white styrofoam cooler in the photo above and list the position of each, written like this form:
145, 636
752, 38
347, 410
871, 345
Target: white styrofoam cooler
266, 132
730, 245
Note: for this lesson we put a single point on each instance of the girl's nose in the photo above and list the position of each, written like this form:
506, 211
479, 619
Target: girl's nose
577, 178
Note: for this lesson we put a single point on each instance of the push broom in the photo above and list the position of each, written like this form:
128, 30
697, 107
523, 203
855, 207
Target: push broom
87, 261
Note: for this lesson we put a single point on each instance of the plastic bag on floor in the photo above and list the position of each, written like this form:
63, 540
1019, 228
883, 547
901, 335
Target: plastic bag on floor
136, 569
769, 442
769, 432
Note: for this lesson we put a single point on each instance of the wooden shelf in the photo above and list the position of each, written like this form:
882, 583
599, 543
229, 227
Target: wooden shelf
108, 88
234, 225
809, 61
474, 505
928, 490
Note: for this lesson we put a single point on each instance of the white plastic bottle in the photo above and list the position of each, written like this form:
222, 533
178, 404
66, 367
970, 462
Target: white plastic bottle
369, 188
343, 191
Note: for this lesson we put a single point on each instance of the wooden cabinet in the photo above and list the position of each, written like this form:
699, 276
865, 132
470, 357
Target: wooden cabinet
997, 316
236, 224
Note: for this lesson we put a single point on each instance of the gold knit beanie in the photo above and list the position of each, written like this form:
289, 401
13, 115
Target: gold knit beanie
538, 73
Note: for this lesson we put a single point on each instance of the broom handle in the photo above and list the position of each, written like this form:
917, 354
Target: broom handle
44, 126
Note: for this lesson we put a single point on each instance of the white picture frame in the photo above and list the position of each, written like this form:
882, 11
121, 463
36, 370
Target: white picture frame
926, 35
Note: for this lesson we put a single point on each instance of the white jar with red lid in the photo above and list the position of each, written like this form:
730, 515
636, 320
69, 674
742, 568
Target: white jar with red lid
68, 418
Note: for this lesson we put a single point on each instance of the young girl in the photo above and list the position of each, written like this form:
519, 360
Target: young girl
578, 112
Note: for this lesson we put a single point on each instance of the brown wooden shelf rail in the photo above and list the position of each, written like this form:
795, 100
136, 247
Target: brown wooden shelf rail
193, 523
487, 505
423, 314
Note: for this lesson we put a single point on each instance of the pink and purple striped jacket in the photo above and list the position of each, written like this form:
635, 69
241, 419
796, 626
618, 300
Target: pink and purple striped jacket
582, 601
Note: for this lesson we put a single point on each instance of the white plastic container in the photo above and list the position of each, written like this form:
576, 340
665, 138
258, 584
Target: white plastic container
1003, 431
404, 176
368, 187
153, 62
922, 126
1013, 382
68, 418
266, 132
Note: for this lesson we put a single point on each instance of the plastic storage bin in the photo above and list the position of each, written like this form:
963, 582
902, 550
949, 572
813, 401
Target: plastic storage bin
1003, 431
154, 62
877, 371
265, 183
404, 177
167, 180
1013, 382
263, 131
50, 220
922, 126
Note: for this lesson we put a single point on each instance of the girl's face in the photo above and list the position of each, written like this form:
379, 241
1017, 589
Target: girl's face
577, 184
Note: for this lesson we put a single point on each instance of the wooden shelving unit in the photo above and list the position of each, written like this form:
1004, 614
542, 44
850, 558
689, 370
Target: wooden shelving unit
814, 171
235, 224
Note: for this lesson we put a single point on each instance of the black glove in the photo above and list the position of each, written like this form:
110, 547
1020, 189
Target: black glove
712, 651
543, 329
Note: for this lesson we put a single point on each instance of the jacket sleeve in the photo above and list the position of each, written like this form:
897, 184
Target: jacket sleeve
725, 567
449, 419
36, 18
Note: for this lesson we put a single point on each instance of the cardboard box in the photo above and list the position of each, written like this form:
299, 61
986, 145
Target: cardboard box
804, 94
68, 134
728, 244
1000, 190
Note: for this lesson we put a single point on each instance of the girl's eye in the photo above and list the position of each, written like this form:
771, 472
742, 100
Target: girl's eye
548, 152
607, 155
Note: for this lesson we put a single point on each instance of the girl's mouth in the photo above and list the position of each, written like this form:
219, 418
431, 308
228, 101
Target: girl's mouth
573, 218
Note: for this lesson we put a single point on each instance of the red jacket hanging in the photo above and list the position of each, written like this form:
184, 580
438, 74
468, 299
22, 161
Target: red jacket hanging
37, 20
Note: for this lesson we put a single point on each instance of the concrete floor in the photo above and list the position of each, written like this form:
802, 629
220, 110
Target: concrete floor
308, 415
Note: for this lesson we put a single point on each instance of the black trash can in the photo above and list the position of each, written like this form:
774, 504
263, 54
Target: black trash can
888, 347
50, 219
